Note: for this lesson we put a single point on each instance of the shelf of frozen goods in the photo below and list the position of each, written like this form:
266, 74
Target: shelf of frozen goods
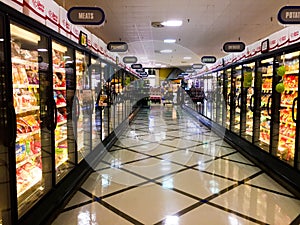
62, 161
28, 159
59, 88
61, 105
287, 106
58, 69
264, 141
267, 75
292, 72
286, 137
60, 140
61, 123
26, 86
287, 89
36, 180
26, 135
23, 62
27, 109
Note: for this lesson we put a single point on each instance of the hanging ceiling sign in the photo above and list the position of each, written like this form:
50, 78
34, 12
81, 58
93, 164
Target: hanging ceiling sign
136, 66
117, 46
144, 74
234, 47
130, 59
265, 46
197, 66
86, 15
140, 70
208, 59
190, 71
289, 15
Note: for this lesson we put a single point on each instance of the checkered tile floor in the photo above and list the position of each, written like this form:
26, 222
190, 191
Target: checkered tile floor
166, 168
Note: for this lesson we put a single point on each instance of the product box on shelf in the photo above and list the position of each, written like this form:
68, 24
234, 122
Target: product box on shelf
64, 23
16, 4
36, 9
52, 15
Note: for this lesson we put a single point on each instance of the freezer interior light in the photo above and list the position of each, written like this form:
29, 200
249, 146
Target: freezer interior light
42, 50
172, 23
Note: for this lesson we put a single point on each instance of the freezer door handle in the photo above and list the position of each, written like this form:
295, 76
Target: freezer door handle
12, 127
228, 99
239, 101
293, 109
251, 103
268, 106
77, 108
55, 115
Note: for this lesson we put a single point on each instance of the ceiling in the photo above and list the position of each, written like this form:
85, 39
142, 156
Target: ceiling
207, 25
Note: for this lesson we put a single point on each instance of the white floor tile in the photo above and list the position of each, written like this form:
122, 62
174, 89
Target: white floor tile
261, 205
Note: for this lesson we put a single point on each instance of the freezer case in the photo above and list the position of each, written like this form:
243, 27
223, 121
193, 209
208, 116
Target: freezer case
247, 106
30, 78
83, 105
62, 59
287, 85
236, 103
263, 104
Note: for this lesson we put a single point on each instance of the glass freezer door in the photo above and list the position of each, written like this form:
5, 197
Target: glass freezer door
6, 127
237, 92
263, 104
30, 78
96, 89
248, 95
62, 57
288, 75
228, 96
83, 104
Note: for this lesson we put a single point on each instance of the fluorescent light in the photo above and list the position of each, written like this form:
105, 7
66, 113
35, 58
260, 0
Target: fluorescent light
187, 57
42, 50
166, 51
157, 64
1, 39
169, 40
163, 66
172, 23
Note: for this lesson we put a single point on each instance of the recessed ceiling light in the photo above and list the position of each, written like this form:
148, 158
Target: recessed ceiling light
172, 23
187, 57
169, 40
166, 51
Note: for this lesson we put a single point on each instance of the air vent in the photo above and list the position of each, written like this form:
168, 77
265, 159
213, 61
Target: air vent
157, 25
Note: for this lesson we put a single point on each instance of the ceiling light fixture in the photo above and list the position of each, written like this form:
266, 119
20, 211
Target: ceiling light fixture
172, 23
187, 57
169, 40
166, 51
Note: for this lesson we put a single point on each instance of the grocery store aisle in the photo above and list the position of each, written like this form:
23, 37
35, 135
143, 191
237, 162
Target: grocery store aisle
169, 169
